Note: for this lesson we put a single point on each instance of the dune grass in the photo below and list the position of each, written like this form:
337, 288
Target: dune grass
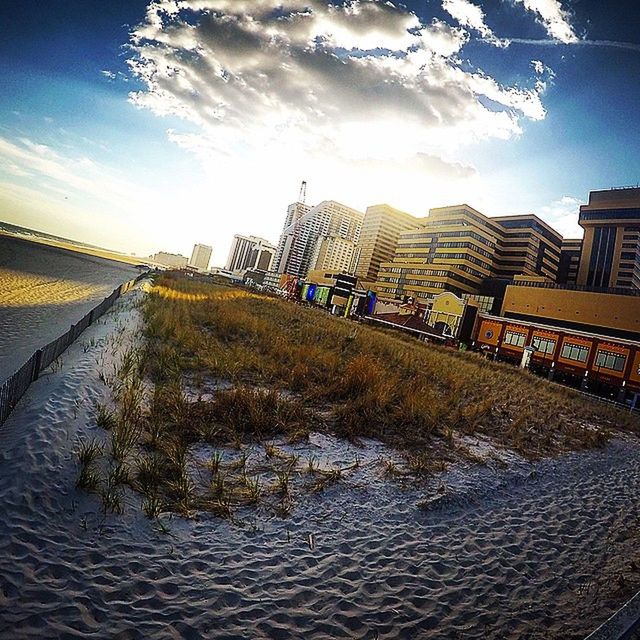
283, 370
377, 383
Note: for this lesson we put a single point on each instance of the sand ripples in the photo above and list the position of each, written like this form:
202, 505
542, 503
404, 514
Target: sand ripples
507, 554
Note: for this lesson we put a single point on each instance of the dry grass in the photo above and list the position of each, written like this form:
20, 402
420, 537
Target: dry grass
380, 384
293, 370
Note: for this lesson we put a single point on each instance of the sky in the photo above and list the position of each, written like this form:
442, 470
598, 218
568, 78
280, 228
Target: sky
147, 126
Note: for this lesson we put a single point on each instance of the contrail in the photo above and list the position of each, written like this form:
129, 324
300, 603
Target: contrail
630, 46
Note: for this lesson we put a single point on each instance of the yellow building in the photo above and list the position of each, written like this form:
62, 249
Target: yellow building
528, 246
616, 315
457, 248
453, 251
611, 246
381, 229
332, 253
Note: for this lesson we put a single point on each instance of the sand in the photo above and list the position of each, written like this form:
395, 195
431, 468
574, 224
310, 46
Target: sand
531, 551
43, 290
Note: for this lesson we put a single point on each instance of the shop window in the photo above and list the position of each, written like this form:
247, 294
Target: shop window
514, 339
611, 361
575, 352
544, 345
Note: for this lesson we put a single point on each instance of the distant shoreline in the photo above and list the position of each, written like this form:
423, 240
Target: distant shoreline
68, 245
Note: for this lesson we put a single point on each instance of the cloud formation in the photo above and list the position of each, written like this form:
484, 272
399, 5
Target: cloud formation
366, 78
553, 17
470, 15
562, 215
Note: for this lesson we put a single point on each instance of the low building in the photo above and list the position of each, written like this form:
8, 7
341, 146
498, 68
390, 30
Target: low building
593, 362
274, 280
612, 314
170, 260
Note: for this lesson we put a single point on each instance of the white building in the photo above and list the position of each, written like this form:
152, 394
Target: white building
295, 211
305, 225
170, 260
333, 253
200, 257
250, 252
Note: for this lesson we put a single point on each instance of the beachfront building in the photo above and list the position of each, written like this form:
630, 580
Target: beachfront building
333, 253
200, 257
569, 261
611, 246
283, 255
458, 249
299, 238
585, 338
453, 251
527, 246
249, 253
170, 260
381, 229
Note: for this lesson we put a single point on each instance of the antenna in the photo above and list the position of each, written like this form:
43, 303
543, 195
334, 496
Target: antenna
303, 192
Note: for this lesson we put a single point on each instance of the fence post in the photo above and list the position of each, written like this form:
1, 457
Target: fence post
37, 364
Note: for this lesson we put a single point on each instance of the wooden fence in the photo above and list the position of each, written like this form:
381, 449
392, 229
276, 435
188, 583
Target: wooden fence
15, 387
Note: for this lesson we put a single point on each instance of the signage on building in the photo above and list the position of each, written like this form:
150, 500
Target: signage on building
345, 285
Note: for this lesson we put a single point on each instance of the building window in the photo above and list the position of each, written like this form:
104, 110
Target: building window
544, 345
602, 248
576, 352
611, 361
514, 339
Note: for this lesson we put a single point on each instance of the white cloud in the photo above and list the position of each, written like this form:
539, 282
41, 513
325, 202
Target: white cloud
365, 78
562, 215
471, 15
553, 17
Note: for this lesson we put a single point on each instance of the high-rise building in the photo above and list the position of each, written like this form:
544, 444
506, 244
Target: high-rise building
528, 246
250, 252
453, 250
457, 248
200, 257
381, 229
332, 253
569, 261
295, 211
299, 237
611, 245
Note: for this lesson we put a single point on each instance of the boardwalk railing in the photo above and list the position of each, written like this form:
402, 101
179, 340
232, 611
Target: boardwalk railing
15, 387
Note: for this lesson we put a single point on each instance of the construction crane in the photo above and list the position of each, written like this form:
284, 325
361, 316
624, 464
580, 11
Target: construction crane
303, 192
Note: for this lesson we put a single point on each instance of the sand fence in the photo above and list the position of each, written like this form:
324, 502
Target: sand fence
16, 385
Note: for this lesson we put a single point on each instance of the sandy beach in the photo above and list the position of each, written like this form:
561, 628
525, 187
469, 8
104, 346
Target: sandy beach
533, 550
43, 290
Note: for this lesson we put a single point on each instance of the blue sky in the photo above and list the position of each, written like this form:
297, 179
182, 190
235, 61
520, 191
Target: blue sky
147, 130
